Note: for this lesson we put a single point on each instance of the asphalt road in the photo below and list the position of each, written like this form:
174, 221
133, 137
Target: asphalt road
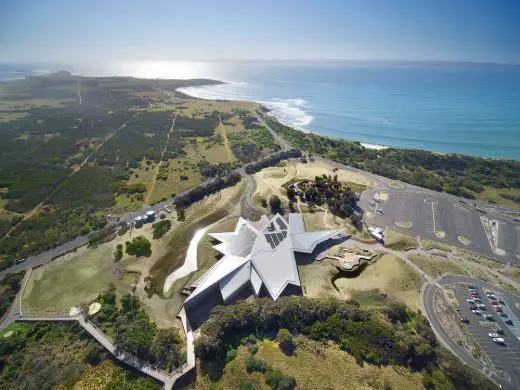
505, 359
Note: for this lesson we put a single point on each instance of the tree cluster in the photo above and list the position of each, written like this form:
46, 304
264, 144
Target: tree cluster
383, 338
202, 191
161, 228
136, 334
139, 246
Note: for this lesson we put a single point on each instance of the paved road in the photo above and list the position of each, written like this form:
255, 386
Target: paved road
249, 210
505, 369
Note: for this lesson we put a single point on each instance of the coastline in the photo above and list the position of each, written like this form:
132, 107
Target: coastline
185, 91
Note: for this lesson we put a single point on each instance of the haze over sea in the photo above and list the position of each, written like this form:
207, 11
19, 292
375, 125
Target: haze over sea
472, 109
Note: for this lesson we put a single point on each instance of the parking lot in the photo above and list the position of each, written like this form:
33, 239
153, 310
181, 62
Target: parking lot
505, 357
442, 218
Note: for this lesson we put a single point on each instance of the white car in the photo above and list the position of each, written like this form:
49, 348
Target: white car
499, 340
475, 312
470, 300
493, 335
481, 306
488, 317
490, 293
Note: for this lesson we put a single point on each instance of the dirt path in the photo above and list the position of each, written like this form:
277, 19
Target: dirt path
85, 161
149, 193
230, 154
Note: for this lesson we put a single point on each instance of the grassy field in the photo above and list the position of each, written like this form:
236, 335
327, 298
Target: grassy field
494, 195
436, 266
314, 366
73, 280
399, 241
386, 275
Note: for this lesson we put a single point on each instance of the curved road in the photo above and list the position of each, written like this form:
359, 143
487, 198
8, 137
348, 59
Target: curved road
428, 293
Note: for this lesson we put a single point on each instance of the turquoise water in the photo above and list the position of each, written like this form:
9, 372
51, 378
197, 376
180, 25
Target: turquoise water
459, 108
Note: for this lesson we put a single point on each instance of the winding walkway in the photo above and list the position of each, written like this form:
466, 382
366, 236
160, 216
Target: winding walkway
167, 379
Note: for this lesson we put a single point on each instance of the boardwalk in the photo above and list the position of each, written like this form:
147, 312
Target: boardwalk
167, 379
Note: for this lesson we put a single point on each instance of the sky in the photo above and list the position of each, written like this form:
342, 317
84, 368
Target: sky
116, 30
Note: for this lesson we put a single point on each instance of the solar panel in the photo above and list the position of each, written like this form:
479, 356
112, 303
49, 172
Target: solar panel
270, 240
284, 234
281, 223
280, 236
275, 239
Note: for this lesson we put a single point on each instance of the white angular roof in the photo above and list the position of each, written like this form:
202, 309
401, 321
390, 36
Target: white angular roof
262, 254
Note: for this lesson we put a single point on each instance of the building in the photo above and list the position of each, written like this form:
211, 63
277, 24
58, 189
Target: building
258, 260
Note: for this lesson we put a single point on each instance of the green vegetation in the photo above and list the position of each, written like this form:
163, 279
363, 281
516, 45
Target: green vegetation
139, 246
456, 174
118, 254
9, 287
392, 336
47, 356
160, 228
252, 145
133, 331
437, 266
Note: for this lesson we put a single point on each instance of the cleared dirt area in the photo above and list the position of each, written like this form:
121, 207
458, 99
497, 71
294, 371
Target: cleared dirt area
314, 366
386, 275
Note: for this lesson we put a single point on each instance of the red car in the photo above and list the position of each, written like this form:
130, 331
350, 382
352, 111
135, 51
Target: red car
494, 303
475, 296
498, 309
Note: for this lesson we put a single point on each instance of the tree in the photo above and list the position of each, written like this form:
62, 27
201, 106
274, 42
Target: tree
285, 341
355, 218
139, 246
263, 202
160, 228
118, 254
180, 213
275, 204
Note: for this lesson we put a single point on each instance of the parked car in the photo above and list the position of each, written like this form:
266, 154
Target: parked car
475, 295
473, 307
499, 340
499, 309
470, 287
477, 300
494, 303
493, 335
470, 300
481, 306
488, 293
508, 322
489, 317
463, 319
475, 312
499, 331
502, 314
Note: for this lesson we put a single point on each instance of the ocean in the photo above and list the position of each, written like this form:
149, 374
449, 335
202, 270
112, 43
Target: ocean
442, 107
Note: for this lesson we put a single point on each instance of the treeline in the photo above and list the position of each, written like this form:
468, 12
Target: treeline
202, 191
390, 337
211, 170
136, 334
9, 287
272, 160
197, 127
453, 173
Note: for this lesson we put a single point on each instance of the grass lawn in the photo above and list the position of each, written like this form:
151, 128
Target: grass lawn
435, 266
388, 274
314, 366
69, 282
399, 241
174, 185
